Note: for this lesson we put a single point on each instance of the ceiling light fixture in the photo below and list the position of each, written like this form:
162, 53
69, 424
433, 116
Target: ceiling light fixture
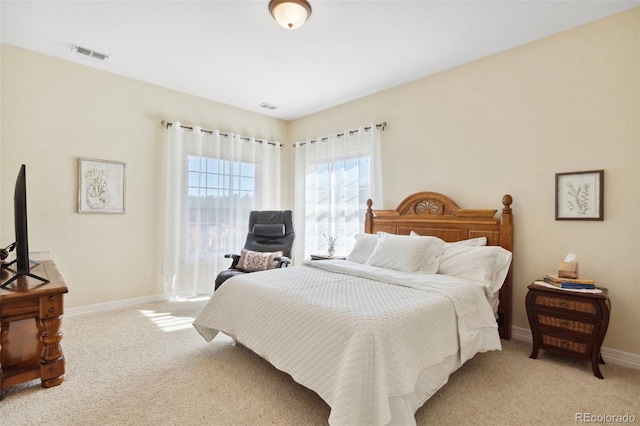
290, 14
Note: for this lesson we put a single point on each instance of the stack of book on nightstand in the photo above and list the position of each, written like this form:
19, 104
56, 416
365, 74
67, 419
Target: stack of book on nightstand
574, 283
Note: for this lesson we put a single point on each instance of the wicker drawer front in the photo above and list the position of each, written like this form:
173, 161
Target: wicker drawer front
570, 345
566, 324
568, 304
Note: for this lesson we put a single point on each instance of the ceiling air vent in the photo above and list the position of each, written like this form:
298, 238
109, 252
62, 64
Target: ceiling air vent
267, 105
90, 54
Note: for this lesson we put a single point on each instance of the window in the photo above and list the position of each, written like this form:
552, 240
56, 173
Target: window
213, 180
221, 193
342, 186
334, 178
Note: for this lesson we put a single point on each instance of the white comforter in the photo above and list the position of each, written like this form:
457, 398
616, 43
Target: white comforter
366, 339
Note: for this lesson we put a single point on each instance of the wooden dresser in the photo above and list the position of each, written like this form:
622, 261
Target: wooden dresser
30, 318
568, 322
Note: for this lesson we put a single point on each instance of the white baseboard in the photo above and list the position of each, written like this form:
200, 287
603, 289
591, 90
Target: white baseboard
117, 304
613, 356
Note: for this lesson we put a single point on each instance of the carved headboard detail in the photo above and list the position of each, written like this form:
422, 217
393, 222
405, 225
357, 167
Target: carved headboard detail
428, 203
431, 213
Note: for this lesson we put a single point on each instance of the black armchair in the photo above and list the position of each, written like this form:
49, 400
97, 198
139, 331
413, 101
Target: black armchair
269, 231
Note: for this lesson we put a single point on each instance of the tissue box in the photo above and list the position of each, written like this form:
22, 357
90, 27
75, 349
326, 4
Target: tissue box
568, 269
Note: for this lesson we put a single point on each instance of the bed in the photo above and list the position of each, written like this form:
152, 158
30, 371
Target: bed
427, 286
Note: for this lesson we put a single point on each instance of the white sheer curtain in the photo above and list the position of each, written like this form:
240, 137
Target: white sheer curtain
213, 181
335, 176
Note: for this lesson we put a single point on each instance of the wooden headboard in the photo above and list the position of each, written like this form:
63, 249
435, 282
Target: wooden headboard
430, 213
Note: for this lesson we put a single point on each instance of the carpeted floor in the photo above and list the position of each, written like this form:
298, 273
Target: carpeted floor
146, 365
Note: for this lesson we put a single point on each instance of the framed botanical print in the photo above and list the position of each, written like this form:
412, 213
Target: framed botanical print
580, 195
101, 186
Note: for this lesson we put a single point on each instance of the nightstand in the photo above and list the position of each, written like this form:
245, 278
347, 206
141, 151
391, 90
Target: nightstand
568, 322
326, 257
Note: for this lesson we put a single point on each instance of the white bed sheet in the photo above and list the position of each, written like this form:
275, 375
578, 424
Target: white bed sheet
374, 343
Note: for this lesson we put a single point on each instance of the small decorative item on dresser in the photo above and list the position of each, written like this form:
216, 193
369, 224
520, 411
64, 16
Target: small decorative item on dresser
568, 268
331, 242
569, 322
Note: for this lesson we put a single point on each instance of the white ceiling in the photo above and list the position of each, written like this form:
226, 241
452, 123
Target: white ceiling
234, 52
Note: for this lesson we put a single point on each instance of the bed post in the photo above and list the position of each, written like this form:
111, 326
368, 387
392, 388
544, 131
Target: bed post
506, 223
506, 241
368, 218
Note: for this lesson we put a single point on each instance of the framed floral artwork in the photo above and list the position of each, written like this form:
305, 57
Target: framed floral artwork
101, 186
580, 195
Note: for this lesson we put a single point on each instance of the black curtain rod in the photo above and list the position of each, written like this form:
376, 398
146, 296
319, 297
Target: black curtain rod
351, 132
168, 124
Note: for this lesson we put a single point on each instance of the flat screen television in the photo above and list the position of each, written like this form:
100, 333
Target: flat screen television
22, 261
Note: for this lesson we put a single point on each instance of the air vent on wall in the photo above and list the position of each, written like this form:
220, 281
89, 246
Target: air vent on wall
90, 54
267, 105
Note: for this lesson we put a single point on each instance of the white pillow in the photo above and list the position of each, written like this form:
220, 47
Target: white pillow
365, 244
476, 242
406, 253
488, 265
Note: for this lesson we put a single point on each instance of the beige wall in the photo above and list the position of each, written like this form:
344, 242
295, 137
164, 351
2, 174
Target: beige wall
507, 124
504, 124
55, 111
